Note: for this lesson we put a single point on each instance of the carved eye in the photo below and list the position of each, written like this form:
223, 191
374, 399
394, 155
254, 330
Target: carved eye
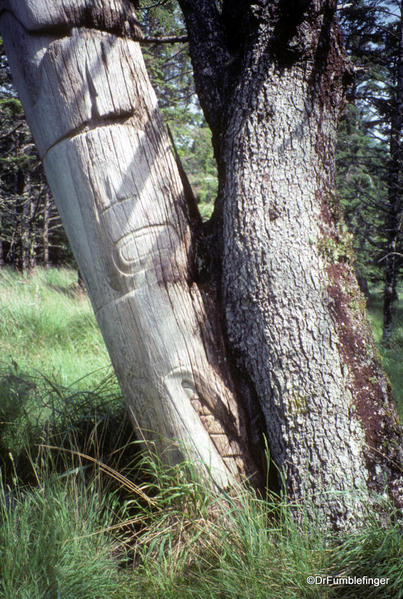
136, 250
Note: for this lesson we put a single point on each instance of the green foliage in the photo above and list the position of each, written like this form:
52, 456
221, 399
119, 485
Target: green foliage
364, 159
37, 410
361, 185
199, 162
376, 550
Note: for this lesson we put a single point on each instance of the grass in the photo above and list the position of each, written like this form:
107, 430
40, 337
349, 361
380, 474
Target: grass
171, 538
48, 327
53, 545
71, 528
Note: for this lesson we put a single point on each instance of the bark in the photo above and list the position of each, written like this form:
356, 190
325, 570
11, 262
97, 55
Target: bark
395, 213
107, 156
25, 238
33, 202
295, 319
364, 287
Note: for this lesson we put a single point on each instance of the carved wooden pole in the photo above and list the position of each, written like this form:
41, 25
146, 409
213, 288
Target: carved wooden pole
94, 116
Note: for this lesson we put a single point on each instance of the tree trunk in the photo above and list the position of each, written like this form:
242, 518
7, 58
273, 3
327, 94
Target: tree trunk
393, 258
107, 156
295, 319
364, 287
31, 240
269, 78
22, 219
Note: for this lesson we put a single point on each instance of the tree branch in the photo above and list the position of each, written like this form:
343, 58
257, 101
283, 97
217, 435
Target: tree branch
173, 39
390, 254
12, 131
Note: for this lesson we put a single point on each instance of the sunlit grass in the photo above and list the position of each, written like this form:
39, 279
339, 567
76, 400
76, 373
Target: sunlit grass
48, 327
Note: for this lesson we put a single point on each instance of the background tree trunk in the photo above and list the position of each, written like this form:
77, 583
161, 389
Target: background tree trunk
22, 223
393, 258
45, 229
109, 164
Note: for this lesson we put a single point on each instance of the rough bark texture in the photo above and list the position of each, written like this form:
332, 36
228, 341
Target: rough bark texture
393, 260
294, 315
108, 160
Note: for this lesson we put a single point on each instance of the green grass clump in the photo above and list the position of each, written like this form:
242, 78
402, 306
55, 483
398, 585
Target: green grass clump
35, 411
48, 326
377, 552
53, 544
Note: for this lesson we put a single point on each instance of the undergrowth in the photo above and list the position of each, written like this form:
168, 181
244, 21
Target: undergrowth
242, 546
53, 544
